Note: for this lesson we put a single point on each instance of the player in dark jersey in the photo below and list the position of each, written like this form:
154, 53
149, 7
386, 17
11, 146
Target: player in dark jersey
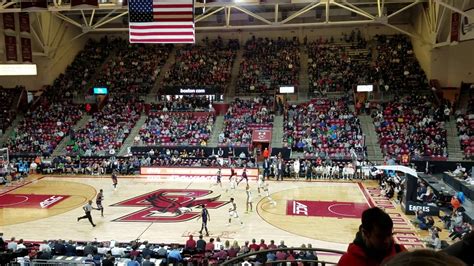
232, 173
205, 218
244, 176
98, 202
114, 180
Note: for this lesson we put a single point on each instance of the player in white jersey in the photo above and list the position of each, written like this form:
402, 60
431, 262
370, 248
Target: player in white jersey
267, 194
233, 212
232, 184
249, 199
219, 177
260, 183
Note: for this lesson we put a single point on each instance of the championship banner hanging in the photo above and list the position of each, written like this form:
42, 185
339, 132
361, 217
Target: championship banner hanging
30, 5
26, 54
455, 27
262, 135
24, 22
10, 48
9, 21
84, 3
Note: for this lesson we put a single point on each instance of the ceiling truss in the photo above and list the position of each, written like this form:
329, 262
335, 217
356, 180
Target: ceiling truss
282, 15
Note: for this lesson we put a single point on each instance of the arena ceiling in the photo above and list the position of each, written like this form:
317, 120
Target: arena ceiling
220, 15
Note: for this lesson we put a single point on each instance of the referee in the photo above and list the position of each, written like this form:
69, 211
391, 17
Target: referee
87, 209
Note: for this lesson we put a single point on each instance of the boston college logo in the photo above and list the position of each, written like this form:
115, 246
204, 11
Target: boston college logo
168, 205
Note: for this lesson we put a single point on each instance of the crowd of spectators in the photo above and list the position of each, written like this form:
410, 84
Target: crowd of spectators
84, 68
323, 128
396, 67
43, 128
133, 68
243, 116
182, 103
267, 64
106, 131
200, 251
8, 98
176, 129
465, 126
338, 66
203, 65
411, 125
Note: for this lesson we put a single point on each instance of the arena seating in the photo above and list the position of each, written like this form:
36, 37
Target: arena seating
396, 67
242, 117
84, 68
267, 64
107, 129
181, 103
465, 125
323, 128
411, 125
207, 65
8, 98
42, 129
176, 128
133, 68
337, 66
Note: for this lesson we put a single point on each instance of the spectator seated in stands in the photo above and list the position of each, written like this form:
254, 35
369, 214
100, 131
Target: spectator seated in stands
412, 126
9, 98
323, 128
182, 104
243, 116
267, 64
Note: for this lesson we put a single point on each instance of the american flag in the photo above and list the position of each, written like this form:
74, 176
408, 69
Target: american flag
161, 21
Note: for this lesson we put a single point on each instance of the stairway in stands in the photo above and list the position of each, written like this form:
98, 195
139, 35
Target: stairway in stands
303, 88
230, 93
454, 146
60, 149
216, 130
159, 80
128, 142
374, 153
277, 132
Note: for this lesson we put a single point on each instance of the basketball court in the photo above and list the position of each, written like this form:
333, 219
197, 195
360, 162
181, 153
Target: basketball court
323, 213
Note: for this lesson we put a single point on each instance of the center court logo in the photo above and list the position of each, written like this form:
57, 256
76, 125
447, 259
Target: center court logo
168, 205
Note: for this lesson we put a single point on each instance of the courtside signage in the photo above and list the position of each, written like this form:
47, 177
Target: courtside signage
191, 172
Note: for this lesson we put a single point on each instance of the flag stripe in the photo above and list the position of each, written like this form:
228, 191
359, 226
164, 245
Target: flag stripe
161, 33
167, 10
171, 6
176, 13
171, 15
163, 24
163, 40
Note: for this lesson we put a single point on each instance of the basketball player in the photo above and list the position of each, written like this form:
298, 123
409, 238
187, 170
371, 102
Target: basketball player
205, 217
261, 183
267, 194
114, 180
87, 209
232, 173
233, 184
98, 202
249, 199
233, 212
244, 176
219, 177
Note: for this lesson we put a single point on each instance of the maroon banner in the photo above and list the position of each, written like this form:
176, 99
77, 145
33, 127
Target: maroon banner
262, 135
26, 54
331, 209
84, 3
9, 21
25, 22
125, 3
34, 4
10, 48
455, 27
